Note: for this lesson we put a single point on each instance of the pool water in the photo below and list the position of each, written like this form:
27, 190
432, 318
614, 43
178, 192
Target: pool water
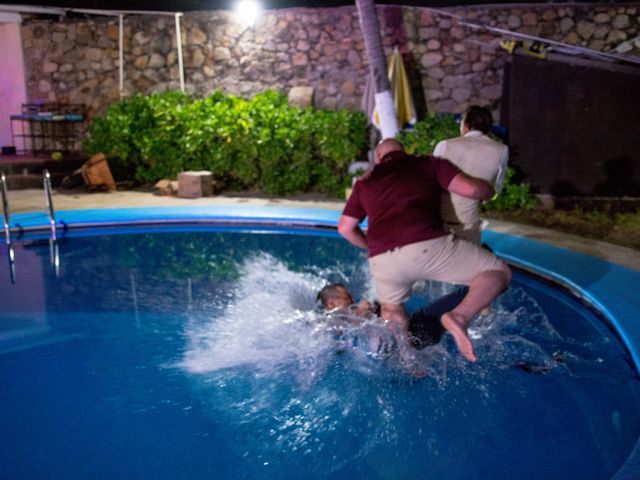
200, 353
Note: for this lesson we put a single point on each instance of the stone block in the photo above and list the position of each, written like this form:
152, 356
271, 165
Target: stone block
195, 184
301, 97
163, 187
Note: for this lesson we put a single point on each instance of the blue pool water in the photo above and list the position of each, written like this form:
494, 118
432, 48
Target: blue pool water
199, 353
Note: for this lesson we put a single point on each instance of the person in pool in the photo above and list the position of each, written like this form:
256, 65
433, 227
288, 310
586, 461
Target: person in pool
424, 324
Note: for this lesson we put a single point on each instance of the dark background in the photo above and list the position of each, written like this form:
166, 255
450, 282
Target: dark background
573, 128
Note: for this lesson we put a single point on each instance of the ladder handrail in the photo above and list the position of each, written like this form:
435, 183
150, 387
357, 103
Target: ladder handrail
46, 178
5, 208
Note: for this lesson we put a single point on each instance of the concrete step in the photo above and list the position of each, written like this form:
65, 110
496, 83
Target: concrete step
23, 181
24, 172
19, 164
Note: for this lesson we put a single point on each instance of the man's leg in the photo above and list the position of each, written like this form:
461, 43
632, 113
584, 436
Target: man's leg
483, 289
392, 290
424, 325
397, 321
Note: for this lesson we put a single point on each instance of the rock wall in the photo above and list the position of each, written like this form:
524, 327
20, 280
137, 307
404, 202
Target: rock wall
450, 65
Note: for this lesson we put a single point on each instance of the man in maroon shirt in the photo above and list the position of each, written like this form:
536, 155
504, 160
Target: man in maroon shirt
407, 243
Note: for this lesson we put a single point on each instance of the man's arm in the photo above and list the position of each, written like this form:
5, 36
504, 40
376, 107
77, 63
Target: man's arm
349, 229
471, 187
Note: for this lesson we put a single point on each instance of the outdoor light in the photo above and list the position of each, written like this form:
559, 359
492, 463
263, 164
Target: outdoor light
248, 11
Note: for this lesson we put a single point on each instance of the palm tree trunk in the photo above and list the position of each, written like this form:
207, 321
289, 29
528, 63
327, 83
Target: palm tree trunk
377, 67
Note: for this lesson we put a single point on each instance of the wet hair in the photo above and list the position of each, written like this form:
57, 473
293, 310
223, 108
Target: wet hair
478, 118
330, 291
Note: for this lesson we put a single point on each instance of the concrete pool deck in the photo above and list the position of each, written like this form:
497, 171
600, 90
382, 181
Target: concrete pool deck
33, 200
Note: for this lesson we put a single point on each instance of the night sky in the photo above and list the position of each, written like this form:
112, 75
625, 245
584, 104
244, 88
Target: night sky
187, 5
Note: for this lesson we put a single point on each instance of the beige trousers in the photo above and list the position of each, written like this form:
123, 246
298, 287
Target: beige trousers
445, 259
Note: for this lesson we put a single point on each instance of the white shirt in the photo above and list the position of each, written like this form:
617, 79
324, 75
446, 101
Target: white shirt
476, 155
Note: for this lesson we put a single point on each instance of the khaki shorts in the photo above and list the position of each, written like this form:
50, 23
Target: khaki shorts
472, 232
445, 259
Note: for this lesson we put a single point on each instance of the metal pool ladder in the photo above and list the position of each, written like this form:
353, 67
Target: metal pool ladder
54, 252
5, 208
7, 229
46, 179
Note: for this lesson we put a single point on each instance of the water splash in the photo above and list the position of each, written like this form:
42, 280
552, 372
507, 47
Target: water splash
267, 365
268, 322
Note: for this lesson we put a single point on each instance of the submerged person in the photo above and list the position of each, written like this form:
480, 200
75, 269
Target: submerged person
424, 325
406, 240
336, 296
345, 316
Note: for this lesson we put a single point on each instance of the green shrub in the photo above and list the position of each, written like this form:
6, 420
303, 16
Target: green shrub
513, 196
260, 144
422, 140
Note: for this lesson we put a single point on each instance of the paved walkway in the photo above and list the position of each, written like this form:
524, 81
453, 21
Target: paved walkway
33, 200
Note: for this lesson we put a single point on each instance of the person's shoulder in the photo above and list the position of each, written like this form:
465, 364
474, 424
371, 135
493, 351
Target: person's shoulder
442, 145
364, 177
485, 137
496, 144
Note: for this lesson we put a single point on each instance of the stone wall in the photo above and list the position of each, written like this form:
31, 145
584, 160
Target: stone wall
450, 65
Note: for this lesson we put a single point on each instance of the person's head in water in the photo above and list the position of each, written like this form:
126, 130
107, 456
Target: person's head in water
335, 296
387, 145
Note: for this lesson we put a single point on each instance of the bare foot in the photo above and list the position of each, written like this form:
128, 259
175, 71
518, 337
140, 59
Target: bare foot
454, 325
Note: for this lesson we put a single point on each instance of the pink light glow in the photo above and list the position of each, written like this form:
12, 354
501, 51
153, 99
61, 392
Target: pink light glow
12, 82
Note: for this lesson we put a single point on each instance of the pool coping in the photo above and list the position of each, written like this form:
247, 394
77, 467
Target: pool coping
609, 287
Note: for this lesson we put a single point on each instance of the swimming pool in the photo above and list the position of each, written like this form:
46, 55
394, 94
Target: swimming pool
195, 351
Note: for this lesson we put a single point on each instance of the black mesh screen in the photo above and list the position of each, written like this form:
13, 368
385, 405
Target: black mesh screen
574, 129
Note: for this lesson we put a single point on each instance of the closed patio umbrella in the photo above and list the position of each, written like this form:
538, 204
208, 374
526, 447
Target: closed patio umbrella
402, 98
400, 89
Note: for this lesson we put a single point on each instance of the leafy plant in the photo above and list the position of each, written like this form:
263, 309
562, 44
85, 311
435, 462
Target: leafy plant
422, 140
260, 144
513, 196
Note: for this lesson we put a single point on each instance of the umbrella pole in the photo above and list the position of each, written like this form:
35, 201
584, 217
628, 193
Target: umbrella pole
377, 67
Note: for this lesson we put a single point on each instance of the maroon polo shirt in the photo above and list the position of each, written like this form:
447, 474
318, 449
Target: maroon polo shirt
401, 197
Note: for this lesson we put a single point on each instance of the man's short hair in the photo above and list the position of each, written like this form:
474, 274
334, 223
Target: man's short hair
330, 291
391, 141
478, 118
387, 145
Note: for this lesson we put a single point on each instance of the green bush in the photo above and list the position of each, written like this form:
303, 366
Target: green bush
422, 140
513, 196
260, 144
